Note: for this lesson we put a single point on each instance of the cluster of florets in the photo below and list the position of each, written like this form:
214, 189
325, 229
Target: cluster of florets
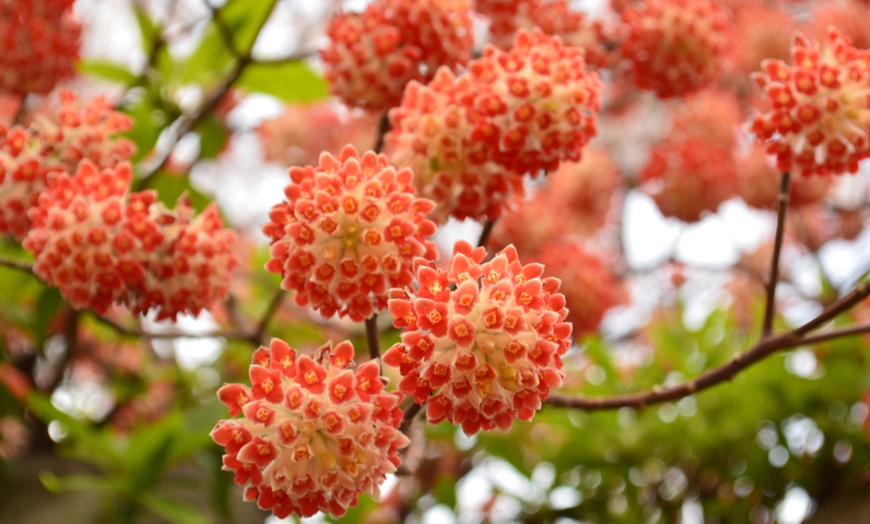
848, 16
372, 55
190, 269
588, 283
50, 145
432, 135
819, 122
762, 31
481, 342
314, 432
349, 230
758, 182
675, 46
298, 135
470, 138
575, 201
692, 171
40, 42
536, 103
553, 17
99, 245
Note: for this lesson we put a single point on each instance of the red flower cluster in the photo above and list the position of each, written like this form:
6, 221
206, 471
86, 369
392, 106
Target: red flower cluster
99, 245
40, 42
373, 55
553, 17
470, 138
349, 231
29, 156
313, 435
588, 283
692, 171
758, 183
482, 342
432, 135
819, 122
675, 46
536, 105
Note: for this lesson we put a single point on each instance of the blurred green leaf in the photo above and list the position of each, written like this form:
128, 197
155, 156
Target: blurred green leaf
104, 70
172, 510
56, 484
291, 81
170, 186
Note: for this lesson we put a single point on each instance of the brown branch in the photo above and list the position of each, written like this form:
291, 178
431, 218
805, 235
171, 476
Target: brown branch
770, 303
764, 348
383, 129
137, 332
186, 124
22, 110
16, 264
373, 337
257, 337
410, 412
485, 233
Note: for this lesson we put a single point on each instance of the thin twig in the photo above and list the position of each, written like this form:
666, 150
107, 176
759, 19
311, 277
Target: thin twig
410, 412
16, 264
485, 233
257, 337
833, 334
187, 124
373, 337
383, 129
136, 332
764, 348
770, 304
22, 110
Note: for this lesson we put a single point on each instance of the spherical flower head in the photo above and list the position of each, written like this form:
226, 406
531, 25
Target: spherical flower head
588, 283
586, 189
536, 104
553, 17
315, 432
373, 55
849, 17
712, 115
82, 130
482, 342
41, 45
819, 121
529, 223
298, 135
88, 235
432, 134
675, 46
349, 230
689, 177
762, 32
23, 176
758, 183
29, 156
191, 269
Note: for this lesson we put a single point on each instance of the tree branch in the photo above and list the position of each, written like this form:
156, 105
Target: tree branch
485, 233
186, 124
259, 332
770, 304
383, 129
373, 336
16, 264
764, 348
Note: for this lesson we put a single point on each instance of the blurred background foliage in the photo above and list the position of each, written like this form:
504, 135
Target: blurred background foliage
99, 424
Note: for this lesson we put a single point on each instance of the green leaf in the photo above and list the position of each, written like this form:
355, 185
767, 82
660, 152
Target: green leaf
291, 81
46, 308
147, 28
212, 137
105, 70
56, 484
170, 186
174, 511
